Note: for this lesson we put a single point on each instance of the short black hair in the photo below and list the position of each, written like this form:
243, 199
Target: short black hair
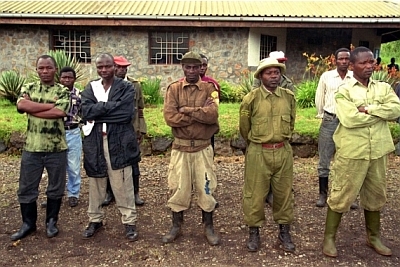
47, 57
203, 56
343, 49
68, 69
103, 55
354, 54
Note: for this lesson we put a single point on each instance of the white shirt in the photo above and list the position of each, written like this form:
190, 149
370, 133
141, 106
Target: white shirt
327, 87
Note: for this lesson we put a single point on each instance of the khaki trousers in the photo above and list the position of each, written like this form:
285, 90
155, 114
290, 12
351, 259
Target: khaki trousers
353, 176
122, 186
265, 167
191, 170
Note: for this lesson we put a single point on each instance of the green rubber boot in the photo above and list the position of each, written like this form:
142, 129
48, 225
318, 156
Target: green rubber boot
332, 223
373, 224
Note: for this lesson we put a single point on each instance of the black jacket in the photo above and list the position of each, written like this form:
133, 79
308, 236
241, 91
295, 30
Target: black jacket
117, 113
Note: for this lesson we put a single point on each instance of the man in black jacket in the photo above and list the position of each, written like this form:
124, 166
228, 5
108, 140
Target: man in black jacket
110, 145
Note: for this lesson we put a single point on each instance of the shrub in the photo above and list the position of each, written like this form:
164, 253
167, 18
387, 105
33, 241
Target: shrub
151, 91
305, 93
247, 81
230, 93
10, 85
384, 76
64, 60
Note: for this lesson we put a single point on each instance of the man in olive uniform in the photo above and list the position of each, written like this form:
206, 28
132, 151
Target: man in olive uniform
363, 140
285, 82
139, 124
267, 117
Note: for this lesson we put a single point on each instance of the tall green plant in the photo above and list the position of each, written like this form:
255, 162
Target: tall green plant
10, 85
247, 81
305, 93
64, 60
151, 91
230, 93
384, 76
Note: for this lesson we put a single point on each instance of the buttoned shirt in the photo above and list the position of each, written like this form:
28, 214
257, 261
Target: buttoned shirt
74, 112
267, 117
327, 87
365, 135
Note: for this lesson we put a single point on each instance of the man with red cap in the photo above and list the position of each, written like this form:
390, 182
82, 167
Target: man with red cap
139, 124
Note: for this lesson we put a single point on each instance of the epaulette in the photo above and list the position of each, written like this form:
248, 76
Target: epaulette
288, 91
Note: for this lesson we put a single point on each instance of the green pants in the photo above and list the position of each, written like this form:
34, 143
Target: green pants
262, 168
353, 176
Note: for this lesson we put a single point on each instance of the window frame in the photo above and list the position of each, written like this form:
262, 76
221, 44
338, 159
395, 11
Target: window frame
171, 49
76, 46
268, 45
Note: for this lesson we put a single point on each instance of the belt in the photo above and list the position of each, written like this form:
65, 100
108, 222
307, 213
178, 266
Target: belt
104, 134
273, 146
330, 114
187, 142
71, 127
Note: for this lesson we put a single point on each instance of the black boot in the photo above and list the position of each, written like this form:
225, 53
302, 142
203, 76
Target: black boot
131, 233
138, 200
212, 238
323, 191
109, 196
285, 238
177, 220
29, 216
52, 210
254, 239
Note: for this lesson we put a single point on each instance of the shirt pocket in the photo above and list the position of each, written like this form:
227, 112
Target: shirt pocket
260, 127
285, 124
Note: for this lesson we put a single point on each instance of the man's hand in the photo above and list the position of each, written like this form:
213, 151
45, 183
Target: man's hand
26, 97
363, 109
209, 102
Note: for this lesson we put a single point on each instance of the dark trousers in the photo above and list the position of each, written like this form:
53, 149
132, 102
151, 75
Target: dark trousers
32, 166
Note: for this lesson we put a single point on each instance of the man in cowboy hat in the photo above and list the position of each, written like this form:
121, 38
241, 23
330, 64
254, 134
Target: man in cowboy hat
285, 82
267, 117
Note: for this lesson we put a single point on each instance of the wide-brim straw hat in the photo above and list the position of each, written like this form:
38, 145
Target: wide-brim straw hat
269, 62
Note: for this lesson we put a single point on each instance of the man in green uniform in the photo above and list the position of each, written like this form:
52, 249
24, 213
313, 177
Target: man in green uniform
267, 117
45, 103
364, 107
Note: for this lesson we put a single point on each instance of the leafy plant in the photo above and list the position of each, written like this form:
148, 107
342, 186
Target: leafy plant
151, 91
384, 76
247, 81
10, 85
230, 93
64, 60
305, 93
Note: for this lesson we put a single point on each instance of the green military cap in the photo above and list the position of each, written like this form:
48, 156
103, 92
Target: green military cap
191, 57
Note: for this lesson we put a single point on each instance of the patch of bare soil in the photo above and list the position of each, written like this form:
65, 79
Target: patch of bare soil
110, 248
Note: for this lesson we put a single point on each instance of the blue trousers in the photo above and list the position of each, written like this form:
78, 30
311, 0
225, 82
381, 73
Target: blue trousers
74, 153
326, 146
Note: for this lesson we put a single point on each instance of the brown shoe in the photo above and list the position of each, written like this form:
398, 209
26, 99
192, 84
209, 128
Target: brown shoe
72, 201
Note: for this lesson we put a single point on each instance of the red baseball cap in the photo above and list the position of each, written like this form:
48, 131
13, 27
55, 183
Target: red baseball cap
121, 61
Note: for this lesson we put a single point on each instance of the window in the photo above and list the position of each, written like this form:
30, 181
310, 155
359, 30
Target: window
364, 43
75, 43
267, 45
168, 47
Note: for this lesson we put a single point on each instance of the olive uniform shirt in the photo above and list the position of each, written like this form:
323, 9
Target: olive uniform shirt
285, 82
267, 117
139, 123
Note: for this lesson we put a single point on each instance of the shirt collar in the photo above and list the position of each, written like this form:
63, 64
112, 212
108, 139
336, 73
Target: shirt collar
185, 83
353, 81
265, 92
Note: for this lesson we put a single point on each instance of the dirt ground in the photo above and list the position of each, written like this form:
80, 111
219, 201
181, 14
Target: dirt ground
110, 248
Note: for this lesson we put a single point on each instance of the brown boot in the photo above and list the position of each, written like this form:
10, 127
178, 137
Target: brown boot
212, 238
177, 220
331, 225
373, 224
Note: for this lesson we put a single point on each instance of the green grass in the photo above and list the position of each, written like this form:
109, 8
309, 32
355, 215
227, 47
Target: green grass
306, 122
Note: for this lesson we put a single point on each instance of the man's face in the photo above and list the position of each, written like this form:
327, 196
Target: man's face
203, 67
67, 79
120, 71
343, 61
46, 70
105, 68
270, 77
363, 65
192, 72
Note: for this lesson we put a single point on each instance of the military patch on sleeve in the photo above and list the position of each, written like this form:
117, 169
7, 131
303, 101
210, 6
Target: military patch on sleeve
214, 95
245, 113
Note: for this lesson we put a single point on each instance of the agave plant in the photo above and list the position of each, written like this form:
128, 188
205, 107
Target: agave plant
63, 60
384, 76
10, 85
